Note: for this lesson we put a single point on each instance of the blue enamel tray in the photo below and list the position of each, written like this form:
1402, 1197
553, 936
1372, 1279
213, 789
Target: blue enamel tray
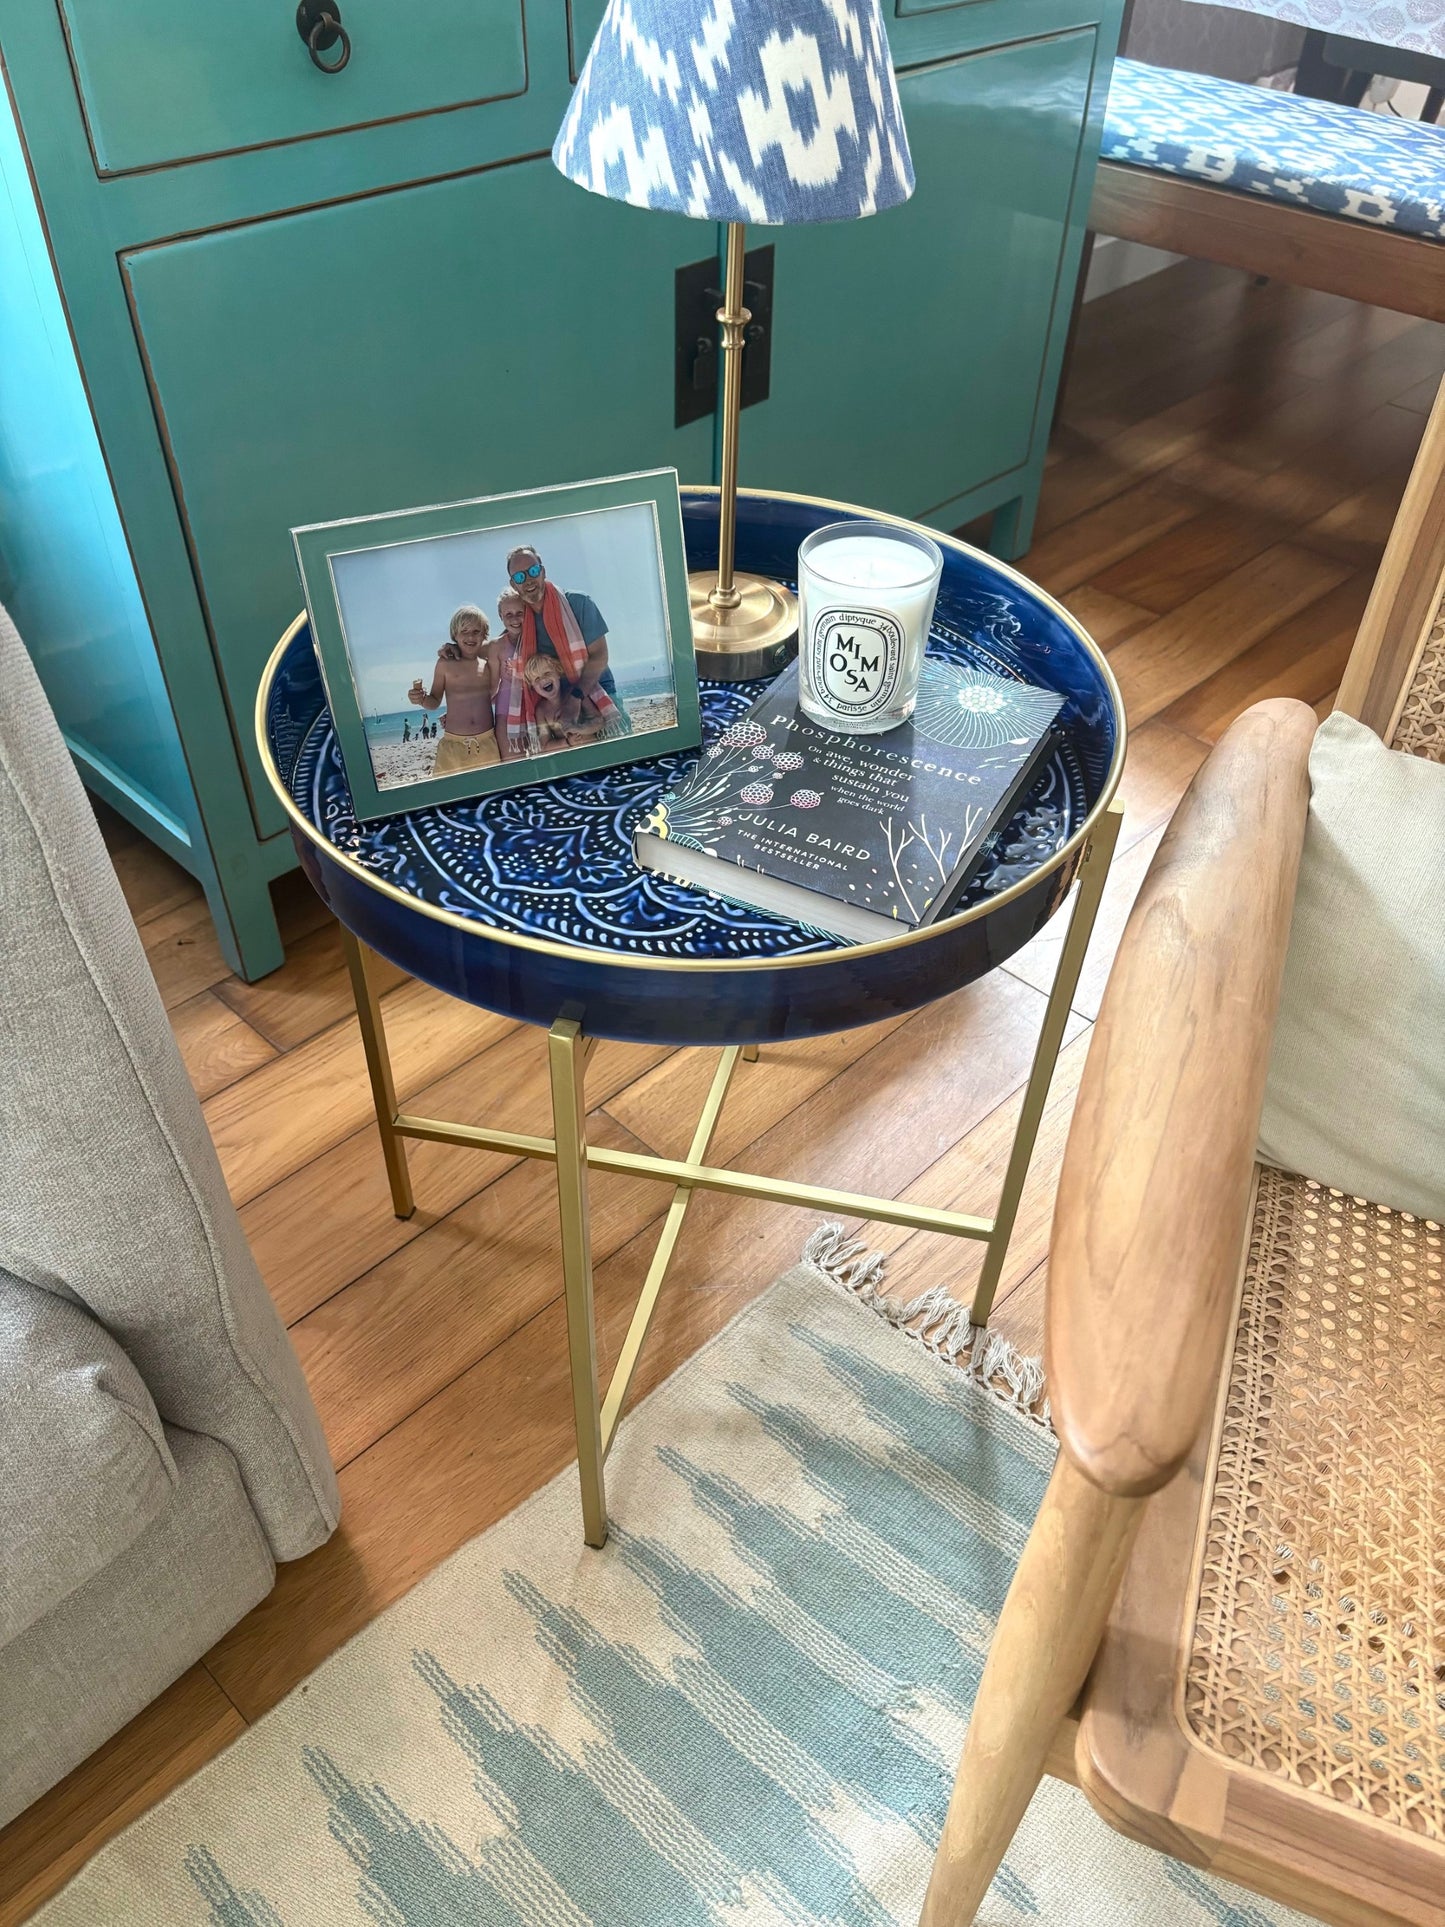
530, 902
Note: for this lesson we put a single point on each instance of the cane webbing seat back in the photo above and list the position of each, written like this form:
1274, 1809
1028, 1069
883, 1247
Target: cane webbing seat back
1318, 1646
1421, 728
1317, 1653
1228, 1625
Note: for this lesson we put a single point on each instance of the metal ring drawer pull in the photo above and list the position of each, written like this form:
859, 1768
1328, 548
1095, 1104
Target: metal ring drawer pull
319, 24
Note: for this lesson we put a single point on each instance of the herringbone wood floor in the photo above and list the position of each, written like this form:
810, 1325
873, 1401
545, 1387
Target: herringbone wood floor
1223, 478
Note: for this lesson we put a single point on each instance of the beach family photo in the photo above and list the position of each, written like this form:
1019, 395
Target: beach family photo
480, 657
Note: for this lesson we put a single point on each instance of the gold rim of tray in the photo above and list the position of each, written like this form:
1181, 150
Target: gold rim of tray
815, 959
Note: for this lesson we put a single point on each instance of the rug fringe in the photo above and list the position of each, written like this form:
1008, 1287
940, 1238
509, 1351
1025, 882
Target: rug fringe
936, 1321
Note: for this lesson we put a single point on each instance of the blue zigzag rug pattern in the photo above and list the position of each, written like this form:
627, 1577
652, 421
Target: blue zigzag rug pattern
747, 1708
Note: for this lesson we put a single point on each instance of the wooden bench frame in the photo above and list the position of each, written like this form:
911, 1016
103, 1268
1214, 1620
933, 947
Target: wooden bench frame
1268, 237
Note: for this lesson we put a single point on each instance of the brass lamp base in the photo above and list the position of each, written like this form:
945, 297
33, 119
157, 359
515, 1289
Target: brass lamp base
757, 638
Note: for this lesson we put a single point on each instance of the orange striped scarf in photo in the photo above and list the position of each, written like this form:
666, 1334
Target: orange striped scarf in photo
566, 638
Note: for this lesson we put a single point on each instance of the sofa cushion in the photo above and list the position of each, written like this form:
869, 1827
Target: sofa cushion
111, 1193
77, 1675
1356, 1092
84, 1464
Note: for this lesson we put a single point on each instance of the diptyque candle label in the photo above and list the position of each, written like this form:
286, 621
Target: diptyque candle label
854, 656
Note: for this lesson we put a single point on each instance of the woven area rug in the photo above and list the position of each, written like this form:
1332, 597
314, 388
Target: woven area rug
747, 1708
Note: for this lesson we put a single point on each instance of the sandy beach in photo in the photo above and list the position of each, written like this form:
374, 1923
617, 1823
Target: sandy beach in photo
399, 763
396, 763
651, 712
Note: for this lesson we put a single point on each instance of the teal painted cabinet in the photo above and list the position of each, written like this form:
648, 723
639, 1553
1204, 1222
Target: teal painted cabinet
237, 294
950, 302
458, 373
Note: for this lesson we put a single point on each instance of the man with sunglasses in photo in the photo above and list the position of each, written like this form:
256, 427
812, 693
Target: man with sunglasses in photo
570, 628
528, 576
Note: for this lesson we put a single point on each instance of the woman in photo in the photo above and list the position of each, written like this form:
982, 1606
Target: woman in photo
463, 680
511, 613
506, 660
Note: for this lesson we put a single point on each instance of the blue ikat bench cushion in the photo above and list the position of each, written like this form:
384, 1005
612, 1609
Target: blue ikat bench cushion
1310, 153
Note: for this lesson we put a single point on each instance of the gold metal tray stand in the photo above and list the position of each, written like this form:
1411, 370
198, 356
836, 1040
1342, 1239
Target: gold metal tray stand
568, 1050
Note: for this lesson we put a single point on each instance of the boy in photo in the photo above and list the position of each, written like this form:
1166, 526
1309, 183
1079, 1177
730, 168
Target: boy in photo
463, 680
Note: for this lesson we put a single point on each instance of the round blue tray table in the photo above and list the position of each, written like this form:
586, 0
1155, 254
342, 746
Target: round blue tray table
529, 903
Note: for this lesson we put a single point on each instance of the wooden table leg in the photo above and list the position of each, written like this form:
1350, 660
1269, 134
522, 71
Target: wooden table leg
567, 1063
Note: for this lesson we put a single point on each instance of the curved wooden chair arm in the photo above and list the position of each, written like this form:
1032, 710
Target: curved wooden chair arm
1146, 1253
1155, 1185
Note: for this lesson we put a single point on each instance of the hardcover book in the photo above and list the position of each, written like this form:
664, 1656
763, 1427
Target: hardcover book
854, 835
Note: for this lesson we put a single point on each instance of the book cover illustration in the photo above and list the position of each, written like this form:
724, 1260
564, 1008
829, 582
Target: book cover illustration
888, 823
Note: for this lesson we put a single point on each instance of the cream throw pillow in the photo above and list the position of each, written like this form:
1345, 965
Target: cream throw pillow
1356, 1093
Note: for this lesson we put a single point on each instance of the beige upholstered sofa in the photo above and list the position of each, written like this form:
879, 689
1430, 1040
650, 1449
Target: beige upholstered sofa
158, 1448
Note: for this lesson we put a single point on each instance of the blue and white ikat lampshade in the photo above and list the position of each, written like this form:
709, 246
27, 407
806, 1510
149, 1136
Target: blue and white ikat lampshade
765, 111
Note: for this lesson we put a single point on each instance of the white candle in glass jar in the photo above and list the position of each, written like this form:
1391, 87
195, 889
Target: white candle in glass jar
866, 593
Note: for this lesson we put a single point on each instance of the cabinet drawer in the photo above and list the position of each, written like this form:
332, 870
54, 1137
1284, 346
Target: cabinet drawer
162, 81
497, 331
903, 8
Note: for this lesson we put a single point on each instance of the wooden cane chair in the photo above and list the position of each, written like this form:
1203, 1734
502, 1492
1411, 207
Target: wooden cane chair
1228, 1624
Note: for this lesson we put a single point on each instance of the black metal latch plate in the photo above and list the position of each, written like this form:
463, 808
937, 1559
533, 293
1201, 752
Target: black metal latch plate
697, 298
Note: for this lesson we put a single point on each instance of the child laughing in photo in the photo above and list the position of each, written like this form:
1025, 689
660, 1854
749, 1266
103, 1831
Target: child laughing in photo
561, 714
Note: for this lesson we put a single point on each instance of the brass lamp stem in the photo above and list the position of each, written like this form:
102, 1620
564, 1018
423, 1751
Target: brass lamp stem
733, 319
743, 625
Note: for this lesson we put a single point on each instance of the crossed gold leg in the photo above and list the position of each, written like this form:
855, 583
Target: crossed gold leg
597, 1412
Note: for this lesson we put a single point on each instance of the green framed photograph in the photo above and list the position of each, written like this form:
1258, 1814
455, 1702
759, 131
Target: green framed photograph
482, 645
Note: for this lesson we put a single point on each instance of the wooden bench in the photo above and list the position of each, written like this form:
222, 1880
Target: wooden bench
1301, 190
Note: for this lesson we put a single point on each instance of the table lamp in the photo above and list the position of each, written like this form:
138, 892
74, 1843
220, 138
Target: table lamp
770, 111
